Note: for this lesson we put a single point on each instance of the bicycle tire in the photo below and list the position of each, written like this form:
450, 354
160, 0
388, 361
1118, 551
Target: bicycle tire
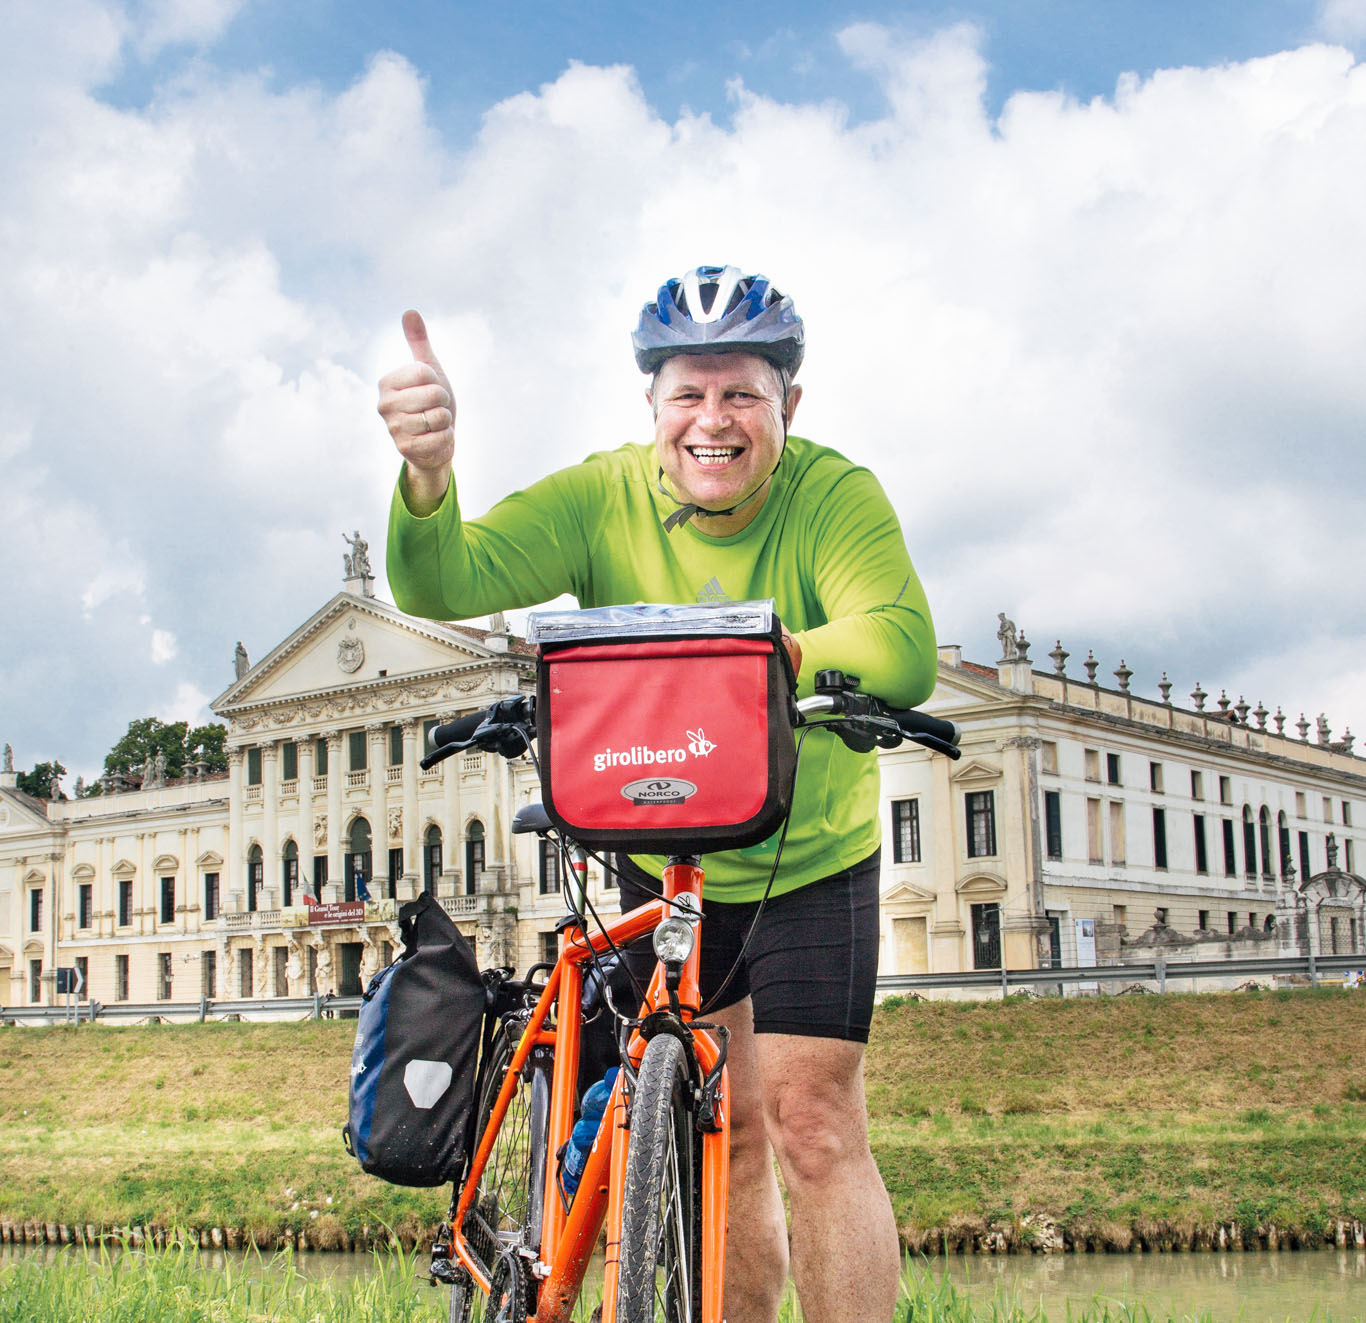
661, 1220
505, 1214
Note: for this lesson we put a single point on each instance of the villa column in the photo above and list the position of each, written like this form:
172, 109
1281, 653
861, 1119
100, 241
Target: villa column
378, 813
412, 854
270, 828
237, 841
452, 830
336, 778
306, 847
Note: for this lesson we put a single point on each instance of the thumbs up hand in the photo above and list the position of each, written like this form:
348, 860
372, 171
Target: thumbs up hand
418, 408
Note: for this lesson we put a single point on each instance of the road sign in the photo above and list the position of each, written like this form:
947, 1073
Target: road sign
70, 980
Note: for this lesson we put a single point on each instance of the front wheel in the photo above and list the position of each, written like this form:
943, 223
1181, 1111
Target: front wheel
661, 1219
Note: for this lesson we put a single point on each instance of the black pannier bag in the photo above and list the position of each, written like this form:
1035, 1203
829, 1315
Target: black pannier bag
665, 728
416, 1055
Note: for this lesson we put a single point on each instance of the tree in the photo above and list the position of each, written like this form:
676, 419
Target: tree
38, 782
148, 736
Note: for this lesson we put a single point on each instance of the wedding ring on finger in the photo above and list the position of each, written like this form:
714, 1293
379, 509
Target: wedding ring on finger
426, 426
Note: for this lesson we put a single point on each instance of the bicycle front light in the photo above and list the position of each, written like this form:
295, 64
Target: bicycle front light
674, 941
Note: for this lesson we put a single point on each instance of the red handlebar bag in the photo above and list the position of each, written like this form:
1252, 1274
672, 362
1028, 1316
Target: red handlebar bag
667, 745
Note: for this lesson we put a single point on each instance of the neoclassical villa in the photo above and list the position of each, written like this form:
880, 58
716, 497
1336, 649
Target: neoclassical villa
1083, 824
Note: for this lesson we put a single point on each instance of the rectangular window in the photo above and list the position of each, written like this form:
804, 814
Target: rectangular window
83, 969
549, 868
1160, 914
1052, 823
1327, 809
254, 765
1346, 813
1201, 850
355, 744
163, 976
210, 897
35, 910
208, 975
289, 879
244, 973
395, 871
120, 978
1306, 870
125, 903
289, 761
1230, 853
1112, 768
1116, 833
256, 879
319, 876
167, 900
1252, 919
1350, 855
1095, 844
1048, 756
1299, 804
395, 746
279, 957
1225, 790
35, 981
1232, 921
1092, 765
981, 814
319, 757
550, 947
1197, 785
1204, 921
1249, 847
1159, 838
85, 906
1155, 777
905, 831
986, 936
1121, 913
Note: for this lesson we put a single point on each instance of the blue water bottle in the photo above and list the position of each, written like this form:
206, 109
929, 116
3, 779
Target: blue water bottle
585, 1131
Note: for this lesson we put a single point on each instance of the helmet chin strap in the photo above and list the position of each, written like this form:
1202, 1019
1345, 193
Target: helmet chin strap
687, 509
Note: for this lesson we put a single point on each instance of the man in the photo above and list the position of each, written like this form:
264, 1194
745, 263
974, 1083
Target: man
727, 506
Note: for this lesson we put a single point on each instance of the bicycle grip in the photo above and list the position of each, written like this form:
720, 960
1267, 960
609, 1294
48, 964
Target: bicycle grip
914, 722
457, 731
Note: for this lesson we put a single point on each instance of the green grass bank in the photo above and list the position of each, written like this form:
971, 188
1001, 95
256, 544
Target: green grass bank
1124, 1123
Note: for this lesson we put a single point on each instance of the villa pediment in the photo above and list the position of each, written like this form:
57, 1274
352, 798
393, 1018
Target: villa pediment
904, 893
166, 863
82, 873
974, 771
987, 886
35, 877
124, 869
209, 860
352, 642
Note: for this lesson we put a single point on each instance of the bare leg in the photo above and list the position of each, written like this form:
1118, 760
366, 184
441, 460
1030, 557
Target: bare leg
756, 1241
846, 1257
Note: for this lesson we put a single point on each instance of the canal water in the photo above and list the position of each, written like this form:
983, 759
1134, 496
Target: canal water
1260, 1286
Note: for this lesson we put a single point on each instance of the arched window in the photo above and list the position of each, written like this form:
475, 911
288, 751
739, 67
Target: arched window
474, 856
431, 860
1249, 843
358, 864
289, 873
256, 868
1264, 822
1283, 840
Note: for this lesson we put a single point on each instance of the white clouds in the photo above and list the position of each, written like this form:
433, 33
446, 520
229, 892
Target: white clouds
189, 704
183, 22
1104, 356
1343, 20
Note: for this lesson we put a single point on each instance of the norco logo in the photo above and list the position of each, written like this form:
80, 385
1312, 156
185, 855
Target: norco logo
661, 790
639, 755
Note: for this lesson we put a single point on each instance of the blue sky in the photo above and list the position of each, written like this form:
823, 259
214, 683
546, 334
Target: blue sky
1082, 284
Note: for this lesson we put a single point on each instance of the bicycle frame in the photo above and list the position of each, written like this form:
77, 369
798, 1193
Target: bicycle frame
569, 1237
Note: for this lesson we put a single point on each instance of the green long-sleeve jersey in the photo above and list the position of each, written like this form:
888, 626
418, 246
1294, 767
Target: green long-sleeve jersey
826, 545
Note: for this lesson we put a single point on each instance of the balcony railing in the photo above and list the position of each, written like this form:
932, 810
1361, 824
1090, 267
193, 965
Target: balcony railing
358, 780
393, 774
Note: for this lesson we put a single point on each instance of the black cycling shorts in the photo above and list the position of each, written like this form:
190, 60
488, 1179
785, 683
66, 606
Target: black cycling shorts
811, 966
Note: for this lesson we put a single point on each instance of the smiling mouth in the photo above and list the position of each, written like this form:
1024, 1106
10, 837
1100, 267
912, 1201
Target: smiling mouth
713, 456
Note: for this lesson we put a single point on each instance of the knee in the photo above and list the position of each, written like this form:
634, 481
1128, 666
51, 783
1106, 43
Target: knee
817, 1140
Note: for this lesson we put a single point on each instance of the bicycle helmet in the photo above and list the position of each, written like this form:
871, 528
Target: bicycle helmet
716, 309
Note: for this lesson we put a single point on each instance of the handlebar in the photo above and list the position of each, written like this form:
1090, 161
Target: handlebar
861, 720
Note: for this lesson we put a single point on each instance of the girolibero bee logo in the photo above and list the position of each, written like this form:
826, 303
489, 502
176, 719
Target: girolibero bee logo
644, 755
652, 791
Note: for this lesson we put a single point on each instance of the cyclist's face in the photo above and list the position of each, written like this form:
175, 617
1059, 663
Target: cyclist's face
719, 431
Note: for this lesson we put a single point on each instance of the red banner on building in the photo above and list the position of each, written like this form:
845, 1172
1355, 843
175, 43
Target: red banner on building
350, 911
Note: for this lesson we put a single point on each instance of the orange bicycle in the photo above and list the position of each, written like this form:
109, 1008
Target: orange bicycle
519, 1233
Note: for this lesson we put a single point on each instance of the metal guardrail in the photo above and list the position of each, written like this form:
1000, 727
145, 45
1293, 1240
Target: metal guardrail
1158, 971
